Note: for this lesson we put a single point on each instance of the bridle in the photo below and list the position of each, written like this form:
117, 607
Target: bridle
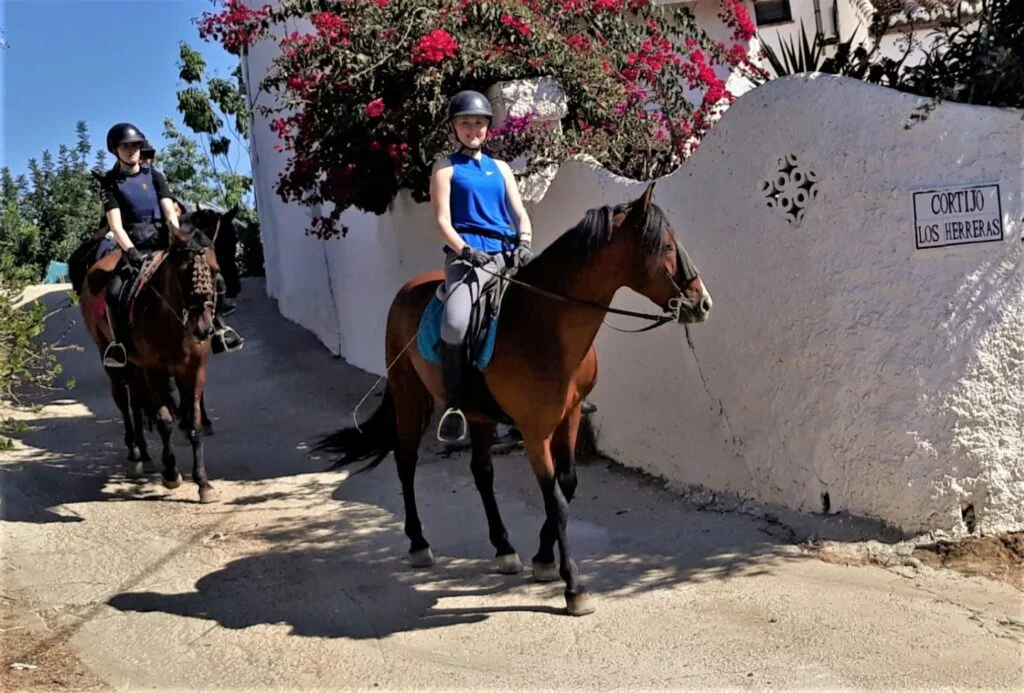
671, 313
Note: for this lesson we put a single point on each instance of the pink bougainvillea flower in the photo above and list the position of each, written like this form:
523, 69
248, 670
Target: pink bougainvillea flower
375, 109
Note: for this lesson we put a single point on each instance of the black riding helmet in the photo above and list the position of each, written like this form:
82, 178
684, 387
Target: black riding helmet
469, 103
123, 133
148, 150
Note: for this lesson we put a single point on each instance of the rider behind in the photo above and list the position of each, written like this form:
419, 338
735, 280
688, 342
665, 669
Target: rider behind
139, 211
475, 198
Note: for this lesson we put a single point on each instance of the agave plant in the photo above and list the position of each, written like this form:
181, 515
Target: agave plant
807, 57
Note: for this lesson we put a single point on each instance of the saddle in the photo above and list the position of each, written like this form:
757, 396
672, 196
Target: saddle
483, 323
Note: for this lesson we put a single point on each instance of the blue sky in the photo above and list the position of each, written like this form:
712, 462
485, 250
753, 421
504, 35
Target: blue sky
101, 61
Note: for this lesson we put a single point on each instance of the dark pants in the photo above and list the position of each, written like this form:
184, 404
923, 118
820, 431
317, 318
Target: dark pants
226, 249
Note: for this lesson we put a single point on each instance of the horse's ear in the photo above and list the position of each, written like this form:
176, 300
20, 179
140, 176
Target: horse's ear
645, 199
229, 216
638, 210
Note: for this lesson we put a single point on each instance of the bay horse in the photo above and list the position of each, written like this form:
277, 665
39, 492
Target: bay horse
171, 325
543, 366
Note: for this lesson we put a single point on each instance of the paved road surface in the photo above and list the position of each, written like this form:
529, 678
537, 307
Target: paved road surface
297, 578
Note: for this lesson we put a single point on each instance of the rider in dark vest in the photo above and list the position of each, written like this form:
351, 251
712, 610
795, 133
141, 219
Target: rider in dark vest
139, 209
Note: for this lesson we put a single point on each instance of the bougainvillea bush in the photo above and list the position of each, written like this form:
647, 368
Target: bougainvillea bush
361, 97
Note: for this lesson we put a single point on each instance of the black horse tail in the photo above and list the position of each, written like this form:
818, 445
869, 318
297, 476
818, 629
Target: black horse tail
374, 439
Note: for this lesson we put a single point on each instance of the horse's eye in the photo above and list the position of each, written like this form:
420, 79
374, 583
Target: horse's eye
667, 247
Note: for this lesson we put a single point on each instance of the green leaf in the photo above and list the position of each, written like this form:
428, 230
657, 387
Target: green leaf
191, 64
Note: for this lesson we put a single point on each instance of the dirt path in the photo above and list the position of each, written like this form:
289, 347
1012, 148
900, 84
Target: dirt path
297, 578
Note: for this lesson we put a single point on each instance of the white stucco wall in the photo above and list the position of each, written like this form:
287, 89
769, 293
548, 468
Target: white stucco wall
838, 359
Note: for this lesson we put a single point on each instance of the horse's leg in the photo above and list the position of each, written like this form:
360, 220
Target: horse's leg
164, 406
482, 437
207, 424
139, 392
563, 451
577, 599
195, 437
413, 410
120, 390
184, 410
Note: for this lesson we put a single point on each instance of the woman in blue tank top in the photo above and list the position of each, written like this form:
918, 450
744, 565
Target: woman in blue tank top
484, 225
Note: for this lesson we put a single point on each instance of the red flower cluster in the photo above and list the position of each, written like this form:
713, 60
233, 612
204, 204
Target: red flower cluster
521, 26
627, 78
330, 25
653, 55
235, 27
434, 47
736, 17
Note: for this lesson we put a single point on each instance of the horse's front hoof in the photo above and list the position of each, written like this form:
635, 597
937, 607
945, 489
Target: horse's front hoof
509, 564
133, 469
207, 494
424, 558
172, 483
545, 572
579, 604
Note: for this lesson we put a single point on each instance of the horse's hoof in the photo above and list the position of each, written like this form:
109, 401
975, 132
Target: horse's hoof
133, 469
424, 558
545, 572
579, 604
509, 564
134, 454
173, 483
207, 495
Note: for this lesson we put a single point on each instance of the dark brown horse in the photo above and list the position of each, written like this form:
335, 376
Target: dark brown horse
544, 365
171, 324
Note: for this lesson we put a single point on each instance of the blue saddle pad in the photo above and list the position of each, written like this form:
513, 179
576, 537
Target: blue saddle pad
429, 336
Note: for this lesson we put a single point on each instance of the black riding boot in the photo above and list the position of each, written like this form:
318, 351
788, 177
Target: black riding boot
116, 353
452, 427
224, 339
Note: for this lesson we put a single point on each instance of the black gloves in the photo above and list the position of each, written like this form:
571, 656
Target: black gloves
477, 258
134, 258
522, 255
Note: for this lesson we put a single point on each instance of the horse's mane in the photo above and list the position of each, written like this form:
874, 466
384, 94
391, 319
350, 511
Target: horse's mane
595, 230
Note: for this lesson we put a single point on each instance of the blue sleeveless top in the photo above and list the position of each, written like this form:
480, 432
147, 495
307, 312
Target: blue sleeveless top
478, 204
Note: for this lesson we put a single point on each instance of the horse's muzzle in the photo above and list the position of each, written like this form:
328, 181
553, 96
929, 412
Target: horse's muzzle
693, 311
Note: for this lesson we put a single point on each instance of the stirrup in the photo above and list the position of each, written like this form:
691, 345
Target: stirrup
457, 414
220, 342
115, 356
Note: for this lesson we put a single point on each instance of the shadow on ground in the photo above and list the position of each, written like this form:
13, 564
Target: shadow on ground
345, 574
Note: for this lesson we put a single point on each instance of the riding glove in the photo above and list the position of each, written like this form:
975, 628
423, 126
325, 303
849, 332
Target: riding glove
134, 258
522, 255
477, 258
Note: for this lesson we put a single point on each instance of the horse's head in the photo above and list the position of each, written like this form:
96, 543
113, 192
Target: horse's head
662, 270
193, 259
